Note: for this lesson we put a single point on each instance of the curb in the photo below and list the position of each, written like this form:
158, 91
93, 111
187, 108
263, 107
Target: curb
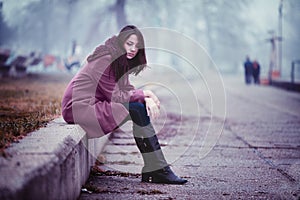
50, 163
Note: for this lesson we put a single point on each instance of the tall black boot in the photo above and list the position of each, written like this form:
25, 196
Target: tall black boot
156, 168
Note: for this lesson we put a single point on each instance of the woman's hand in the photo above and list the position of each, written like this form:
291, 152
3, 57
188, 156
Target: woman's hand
152, 108
150, 94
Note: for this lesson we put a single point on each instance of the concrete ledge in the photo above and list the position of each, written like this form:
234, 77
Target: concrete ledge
50, 163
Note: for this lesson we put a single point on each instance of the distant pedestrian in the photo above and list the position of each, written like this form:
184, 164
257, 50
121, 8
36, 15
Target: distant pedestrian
256, 72
100, 99
248, 70
73, 61
74, 47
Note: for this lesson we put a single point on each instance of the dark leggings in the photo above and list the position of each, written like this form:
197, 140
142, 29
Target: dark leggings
138, 113
143, 131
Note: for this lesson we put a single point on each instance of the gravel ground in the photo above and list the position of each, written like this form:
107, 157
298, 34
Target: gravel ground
28, 103
256, 155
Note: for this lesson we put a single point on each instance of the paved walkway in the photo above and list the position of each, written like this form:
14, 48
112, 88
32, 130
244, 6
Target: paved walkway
256, 156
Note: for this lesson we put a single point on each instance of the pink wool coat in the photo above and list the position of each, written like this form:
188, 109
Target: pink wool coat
93, 99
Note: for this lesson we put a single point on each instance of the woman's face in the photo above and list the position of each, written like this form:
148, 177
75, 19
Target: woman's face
130, 46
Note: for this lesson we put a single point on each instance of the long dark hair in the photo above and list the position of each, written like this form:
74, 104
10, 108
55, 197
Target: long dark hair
122, 65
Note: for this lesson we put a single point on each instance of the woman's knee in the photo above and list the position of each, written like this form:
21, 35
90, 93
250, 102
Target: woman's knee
137, 106
138, 113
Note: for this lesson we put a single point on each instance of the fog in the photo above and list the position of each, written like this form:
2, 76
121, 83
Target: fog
228, 30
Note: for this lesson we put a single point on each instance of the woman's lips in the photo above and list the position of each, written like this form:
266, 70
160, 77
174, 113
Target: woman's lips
131, 54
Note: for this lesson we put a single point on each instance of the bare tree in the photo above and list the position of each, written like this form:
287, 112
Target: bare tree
6, 33
119, 9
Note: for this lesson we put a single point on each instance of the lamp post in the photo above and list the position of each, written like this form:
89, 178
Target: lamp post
273, 66
280, 36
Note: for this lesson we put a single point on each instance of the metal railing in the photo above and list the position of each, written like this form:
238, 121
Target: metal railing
294, 63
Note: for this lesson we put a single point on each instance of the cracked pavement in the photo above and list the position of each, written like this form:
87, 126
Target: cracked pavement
256, 156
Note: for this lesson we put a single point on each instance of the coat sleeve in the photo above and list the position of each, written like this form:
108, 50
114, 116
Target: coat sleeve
119, 92
126, 91
92, 107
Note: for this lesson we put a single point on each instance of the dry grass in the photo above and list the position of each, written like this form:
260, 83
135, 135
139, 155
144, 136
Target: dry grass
28, 103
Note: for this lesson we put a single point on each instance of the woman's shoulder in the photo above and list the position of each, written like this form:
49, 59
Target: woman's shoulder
102, 61
107, 58
98, 66
104, 58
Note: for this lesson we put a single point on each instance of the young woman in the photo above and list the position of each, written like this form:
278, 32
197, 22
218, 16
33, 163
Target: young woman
100, 99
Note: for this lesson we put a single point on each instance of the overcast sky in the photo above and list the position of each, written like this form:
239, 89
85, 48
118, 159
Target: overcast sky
264, 13
261, 15
261, 12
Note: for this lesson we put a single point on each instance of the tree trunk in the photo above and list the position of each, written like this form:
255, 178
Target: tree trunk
120, 13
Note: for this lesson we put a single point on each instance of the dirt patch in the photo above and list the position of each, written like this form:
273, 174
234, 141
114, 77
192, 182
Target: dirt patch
28, 103
98, 171
150, 192
103, 184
